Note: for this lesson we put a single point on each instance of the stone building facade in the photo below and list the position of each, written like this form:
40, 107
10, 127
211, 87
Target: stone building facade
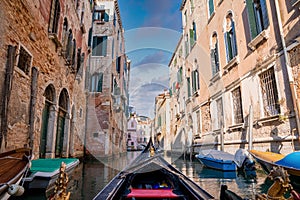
162, 121
108, 83
44, 50
231, 70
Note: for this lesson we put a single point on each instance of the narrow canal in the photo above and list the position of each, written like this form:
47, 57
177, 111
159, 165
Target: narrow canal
91, 176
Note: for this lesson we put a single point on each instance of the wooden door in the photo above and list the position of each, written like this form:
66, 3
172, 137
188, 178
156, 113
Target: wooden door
44, 130
60, 133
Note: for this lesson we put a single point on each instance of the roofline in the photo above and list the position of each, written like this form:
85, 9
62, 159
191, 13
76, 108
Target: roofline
118, 13
182, 4
179, 42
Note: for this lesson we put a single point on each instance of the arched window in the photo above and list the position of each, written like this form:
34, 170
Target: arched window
214, 54
230, 38
54, 16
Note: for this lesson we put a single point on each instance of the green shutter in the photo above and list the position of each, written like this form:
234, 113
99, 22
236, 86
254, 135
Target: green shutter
251, 18
192, 37
188, 80
229, 46
211, 7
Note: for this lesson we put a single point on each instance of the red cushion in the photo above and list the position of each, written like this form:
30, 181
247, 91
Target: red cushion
152, 193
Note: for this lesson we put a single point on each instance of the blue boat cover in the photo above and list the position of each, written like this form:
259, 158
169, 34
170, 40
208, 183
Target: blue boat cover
291, 160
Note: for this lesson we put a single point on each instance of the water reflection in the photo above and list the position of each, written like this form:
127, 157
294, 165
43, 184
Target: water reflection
245, 185
91, 176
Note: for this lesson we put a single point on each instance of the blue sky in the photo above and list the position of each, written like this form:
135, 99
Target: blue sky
152, 31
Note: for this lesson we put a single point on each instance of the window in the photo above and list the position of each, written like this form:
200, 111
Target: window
24, 60
65, 35
257, 16
186, 44
193, 36
159, 120
95, 135
205, 118
269, 93
82, 14
198, 122
188, 80
54, 16
118, 64
179, 75
99, 46
195, 81
129, 136
230, 38
191, 6
101, 15
214, 54
97, 82
73, 53
219, 122
211, 8
69, 46
237, 106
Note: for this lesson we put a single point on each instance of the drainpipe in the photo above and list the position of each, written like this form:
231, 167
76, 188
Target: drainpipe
288, 66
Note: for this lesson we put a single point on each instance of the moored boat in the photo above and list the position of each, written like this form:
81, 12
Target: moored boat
13, 165
149, 176
44, 172
225, 161
290, 162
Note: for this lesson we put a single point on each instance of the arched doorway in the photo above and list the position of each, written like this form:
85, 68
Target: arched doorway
61, 120
49, 95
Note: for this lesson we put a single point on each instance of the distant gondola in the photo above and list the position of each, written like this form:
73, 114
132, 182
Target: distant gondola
149, 176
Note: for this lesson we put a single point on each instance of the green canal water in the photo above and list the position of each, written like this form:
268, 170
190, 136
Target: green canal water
92, 175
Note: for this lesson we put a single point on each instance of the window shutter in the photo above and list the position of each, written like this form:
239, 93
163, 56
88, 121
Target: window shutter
90, 37
213, 63
56, 17
73, 57
251, 18
100, 82
94, 47
194, 31
191, 38
264, 13
234, 45
227, 45
194, 81
52, 15
211, 7
188, 80
197, 80
106, 16
104, 45
216, 54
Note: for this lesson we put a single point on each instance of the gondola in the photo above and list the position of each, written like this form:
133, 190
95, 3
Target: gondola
13, 166
149, 176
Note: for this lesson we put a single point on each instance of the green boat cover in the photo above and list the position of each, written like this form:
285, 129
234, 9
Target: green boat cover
50, 165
